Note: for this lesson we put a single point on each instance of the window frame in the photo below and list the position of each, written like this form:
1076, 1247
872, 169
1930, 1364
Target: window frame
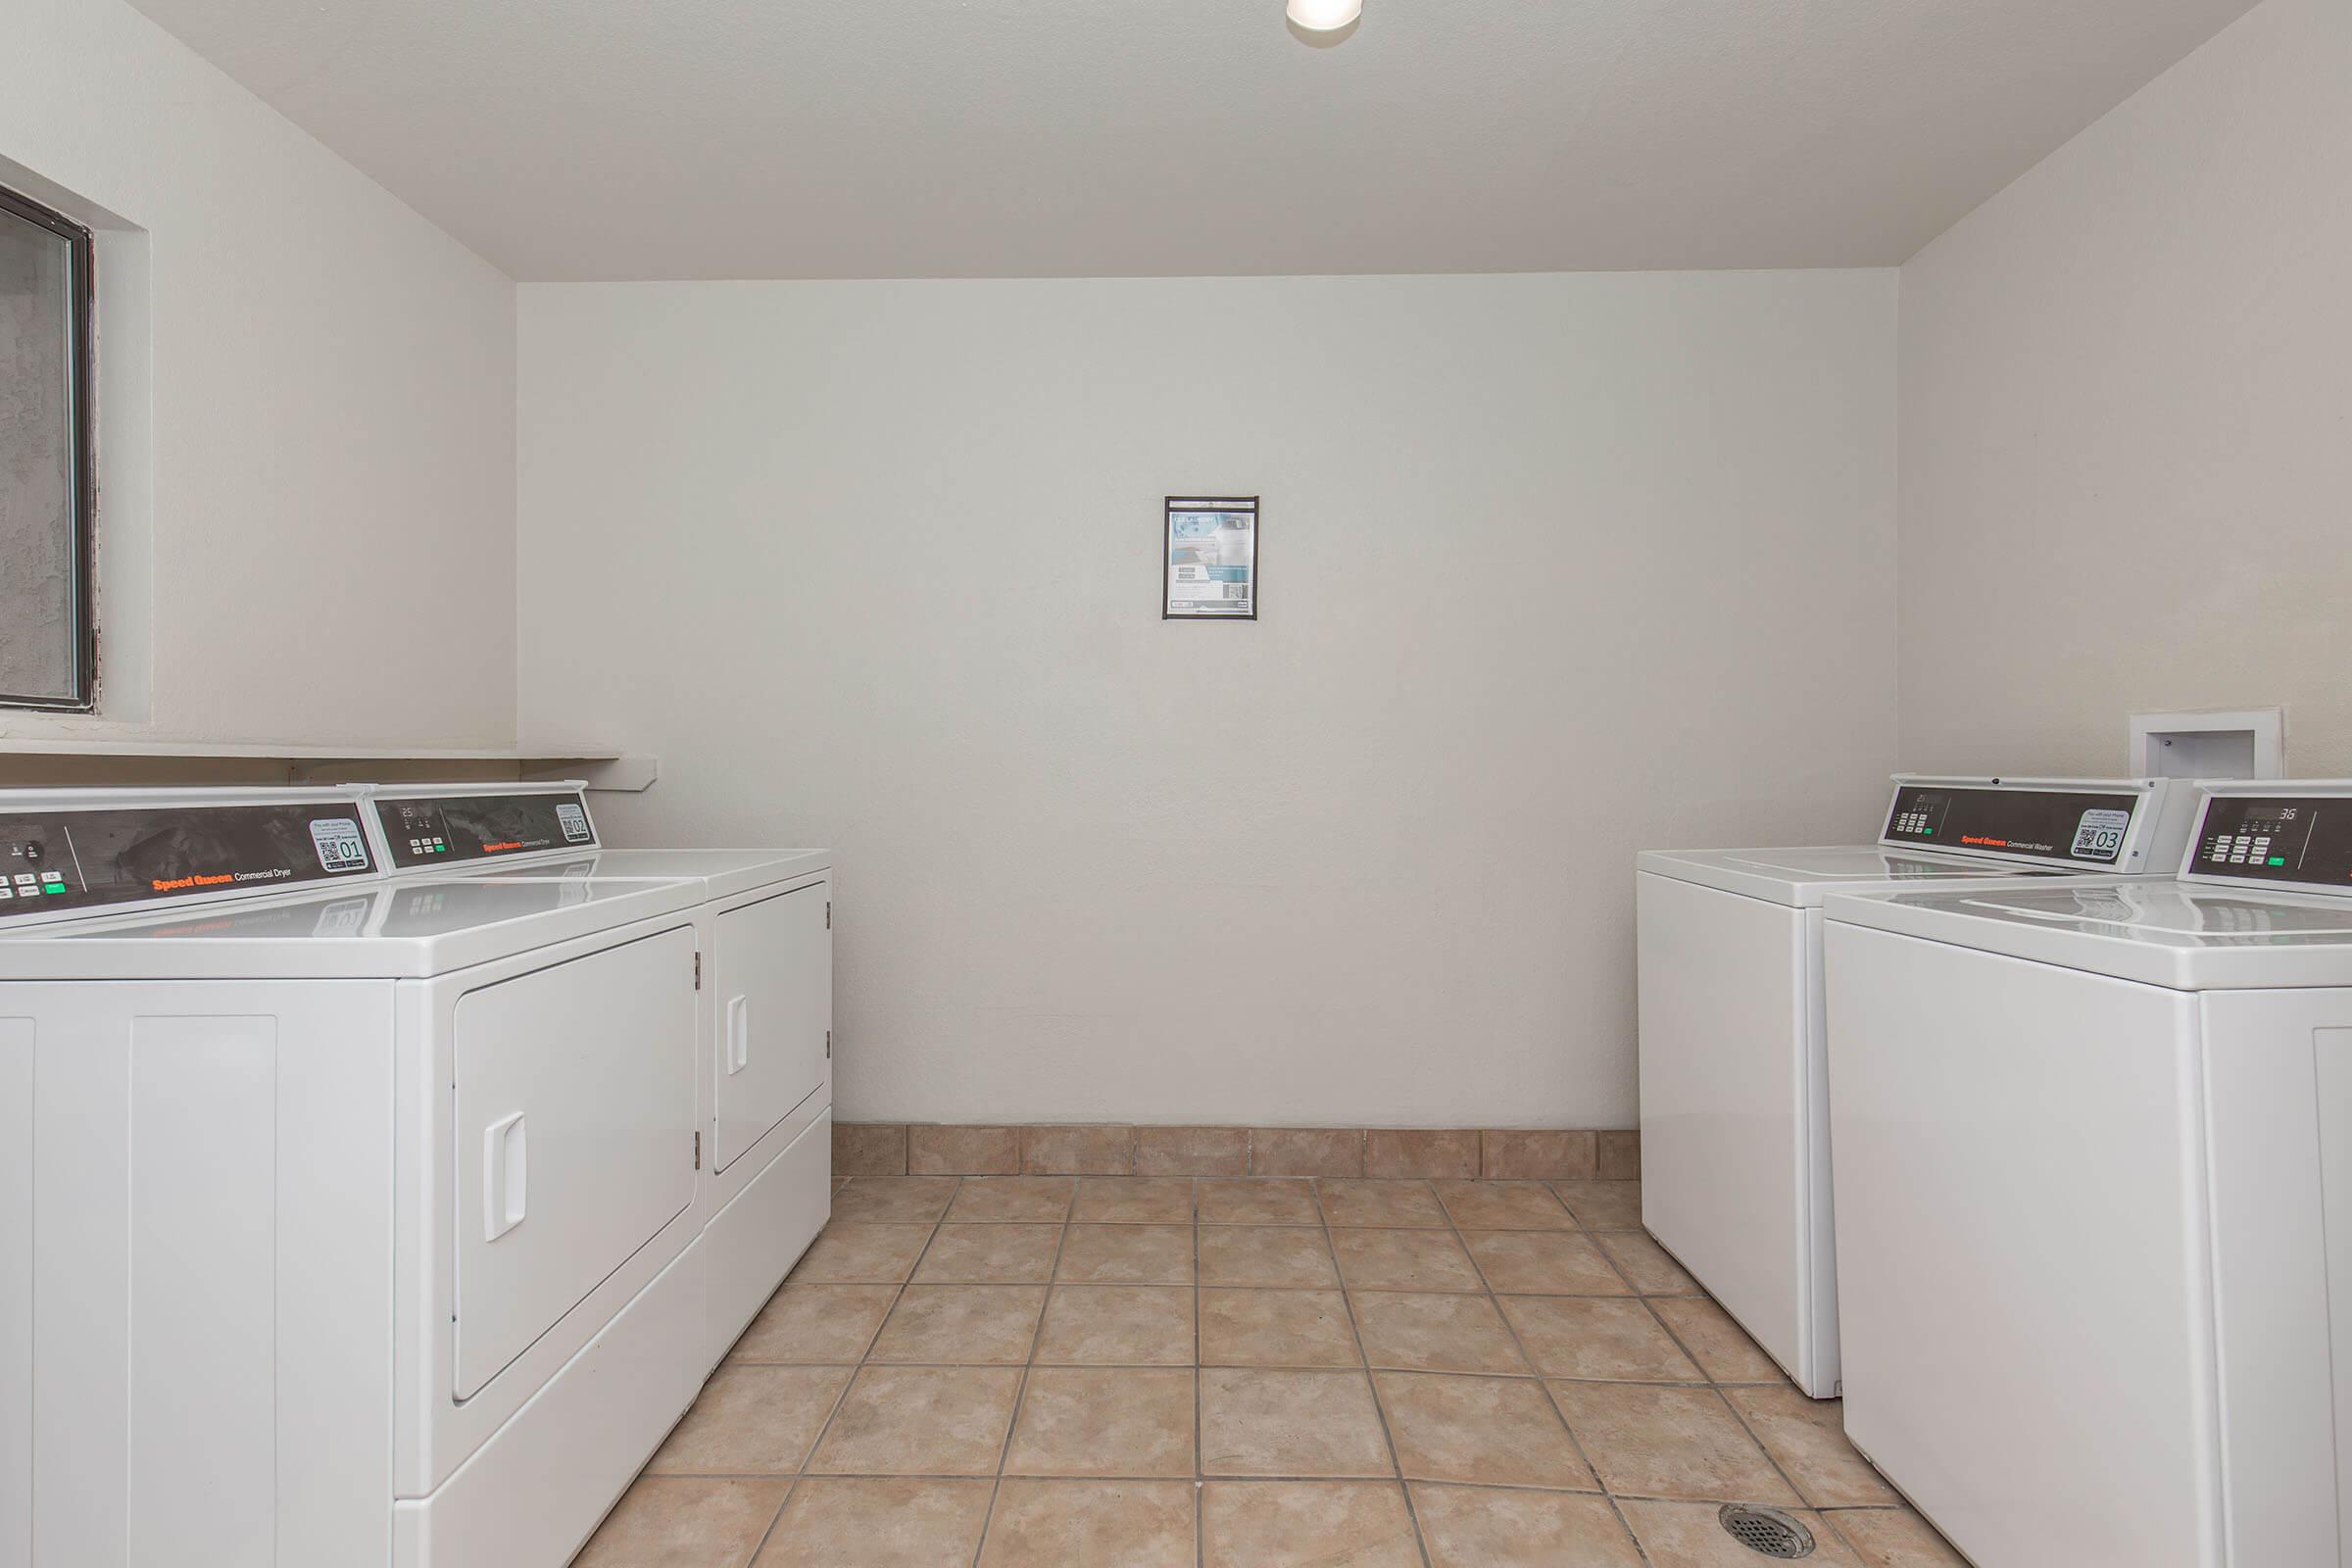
82, 362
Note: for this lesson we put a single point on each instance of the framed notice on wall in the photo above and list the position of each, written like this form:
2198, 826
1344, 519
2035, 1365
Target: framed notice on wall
1208, 564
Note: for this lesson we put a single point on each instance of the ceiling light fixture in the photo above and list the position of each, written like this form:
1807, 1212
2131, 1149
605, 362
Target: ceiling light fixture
1324, 18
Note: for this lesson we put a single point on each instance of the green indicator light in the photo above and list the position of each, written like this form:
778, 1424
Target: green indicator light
2277, 859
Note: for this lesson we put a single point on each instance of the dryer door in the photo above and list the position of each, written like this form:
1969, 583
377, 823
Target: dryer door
575, 1125
775, 1003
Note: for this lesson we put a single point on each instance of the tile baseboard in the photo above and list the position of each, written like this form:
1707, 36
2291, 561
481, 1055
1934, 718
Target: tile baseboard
1122, 1149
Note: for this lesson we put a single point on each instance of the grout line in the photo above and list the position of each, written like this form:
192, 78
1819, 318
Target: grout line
1411, 1511
1199, 1433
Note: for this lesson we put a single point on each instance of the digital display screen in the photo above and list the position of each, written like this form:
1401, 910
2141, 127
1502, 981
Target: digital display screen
90, 859
2277, 838
448, 830
2085, 827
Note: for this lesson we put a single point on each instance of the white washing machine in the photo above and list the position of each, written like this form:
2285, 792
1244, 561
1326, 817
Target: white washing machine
1734, 1085
344, 1218
765, 920
2094, 1199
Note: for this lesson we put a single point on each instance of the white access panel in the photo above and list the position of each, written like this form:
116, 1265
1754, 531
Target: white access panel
575, 1121
2024, 1254
773, 969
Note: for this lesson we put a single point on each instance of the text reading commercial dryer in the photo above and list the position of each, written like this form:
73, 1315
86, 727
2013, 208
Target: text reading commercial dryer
342, 1220
2094, 1199
1734, 1085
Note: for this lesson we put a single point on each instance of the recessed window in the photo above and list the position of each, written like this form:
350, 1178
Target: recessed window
48, 650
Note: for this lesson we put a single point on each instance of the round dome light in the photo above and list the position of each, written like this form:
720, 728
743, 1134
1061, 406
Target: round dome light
1324, 15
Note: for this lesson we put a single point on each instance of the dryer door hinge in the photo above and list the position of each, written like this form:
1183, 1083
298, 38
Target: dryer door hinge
698, 1150
828, 1045
828, 915
697, 968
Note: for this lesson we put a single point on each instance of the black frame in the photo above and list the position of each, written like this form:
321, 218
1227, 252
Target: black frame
82, 304
1257, 527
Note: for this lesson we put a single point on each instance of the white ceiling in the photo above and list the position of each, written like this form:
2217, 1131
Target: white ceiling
891, 138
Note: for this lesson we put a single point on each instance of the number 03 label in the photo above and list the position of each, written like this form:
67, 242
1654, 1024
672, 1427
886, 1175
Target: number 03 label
2099, 836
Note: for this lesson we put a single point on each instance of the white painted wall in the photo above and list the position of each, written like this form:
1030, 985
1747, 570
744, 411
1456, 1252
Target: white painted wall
2126, 423
307, 447
1555, 566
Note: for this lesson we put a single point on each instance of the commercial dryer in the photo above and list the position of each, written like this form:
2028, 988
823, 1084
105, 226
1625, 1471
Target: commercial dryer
344, 1218
1735, 1082
765, 923
2094, 1199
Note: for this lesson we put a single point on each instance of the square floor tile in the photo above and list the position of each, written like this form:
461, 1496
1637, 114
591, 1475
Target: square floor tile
1670, 1442
1420, 1332
1602, 1205
1306, 1524
920, 1420
816, 1324
1104, 1421
1403, 1261
879, 1523
1545, 1263
990, 1255
1808, 1438
1091, 1524
1268, 1256
1720, 1346
1477, 1526
685, 1522
752, 1420
1127, 1254
1266, 1423
1505, 1206
1003, 1198
893, 1198
964, 1325
1648, 1264
1276, 1328
1117, 1325
1490, 1432
1598, 1337
1258, 1201
1690, 1535
1403, 1203
862, 1254
1893, 1538
1134, 1200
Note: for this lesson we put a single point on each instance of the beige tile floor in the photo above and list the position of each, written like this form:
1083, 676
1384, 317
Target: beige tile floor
1029, 1372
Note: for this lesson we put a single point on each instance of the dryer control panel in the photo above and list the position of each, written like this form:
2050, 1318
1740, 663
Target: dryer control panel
434, 830
2276, 838
2075, 827
53, 859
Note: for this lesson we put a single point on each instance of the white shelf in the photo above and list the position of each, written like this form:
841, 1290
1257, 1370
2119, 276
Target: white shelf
605, 767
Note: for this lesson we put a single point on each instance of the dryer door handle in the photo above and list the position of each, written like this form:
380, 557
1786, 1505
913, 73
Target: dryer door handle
506, 1175
739, 1034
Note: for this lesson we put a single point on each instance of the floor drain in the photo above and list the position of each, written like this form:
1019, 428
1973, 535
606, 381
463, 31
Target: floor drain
1767, 1532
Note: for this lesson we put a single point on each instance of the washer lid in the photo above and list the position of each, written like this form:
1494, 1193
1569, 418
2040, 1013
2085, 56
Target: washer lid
2185, 935
1801, 877
720, 872
379, 930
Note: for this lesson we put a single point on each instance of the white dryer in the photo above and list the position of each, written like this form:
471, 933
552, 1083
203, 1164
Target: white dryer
342, 1219
764, 921
1735, 1083
2094, 1199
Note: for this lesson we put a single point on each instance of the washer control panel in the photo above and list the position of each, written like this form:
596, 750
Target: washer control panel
2276, 838
425, 831
2078, 827
84, 860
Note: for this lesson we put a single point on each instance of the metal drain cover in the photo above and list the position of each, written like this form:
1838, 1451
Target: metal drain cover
1767, 1532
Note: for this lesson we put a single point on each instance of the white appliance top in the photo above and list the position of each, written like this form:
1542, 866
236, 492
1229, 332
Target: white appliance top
2180, 935
1946, 830
720, 874
373, 928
